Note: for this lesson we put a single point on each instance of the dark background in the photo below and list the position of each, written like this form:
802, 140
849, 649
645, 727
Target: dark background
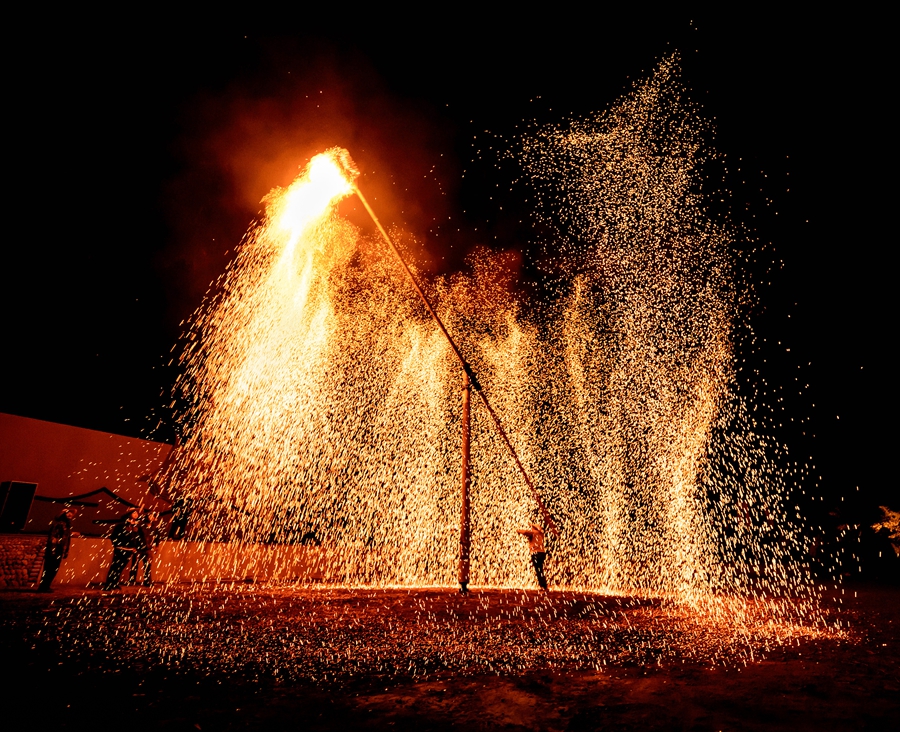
141, 147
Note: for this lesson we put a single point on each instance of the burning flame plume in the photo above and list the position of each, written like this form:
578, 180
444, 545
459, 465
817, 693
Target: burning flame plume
323, 399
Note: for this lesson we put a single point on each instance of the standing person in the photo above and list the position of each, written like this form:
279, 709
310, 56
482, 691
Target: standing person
535, 536
144, 541
182, 509
57, 546
124, 541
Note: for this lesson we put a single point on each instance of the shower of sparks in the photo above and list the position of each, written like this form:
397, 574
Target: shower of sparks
324, 400
320, 397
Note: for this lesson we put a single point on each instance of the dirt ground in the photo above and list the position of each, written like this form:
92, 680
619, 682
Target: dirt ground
248, 657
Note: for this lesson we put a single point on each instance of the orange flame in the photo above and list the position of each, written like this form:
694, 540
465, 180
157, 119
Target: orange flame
324, 182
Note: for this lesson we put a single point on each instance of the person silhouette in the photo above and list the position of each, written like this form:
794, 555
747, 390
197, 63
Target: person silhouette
57, 548
535, 536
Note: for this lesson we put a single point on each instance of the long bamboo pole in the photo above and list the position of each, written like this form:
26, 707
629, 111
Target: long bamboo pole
548, 519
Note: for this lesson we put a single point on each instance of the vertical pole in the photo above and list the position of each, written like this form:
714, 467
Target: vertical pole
464, 542
548, 519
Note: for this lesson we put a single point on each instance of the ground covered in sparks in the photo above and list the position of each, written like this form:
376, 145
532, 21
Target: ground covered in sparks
250, 657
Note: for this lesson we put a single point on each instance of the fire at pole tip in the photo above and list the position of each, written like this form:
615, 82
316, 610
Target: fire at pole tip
328, 177
345, 164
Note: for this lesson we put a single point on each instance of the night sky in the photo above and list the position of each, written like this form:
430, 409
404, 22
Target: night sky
140, 156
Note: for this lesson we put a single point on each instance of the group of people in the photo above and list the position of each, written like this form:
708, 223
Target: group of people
133, 537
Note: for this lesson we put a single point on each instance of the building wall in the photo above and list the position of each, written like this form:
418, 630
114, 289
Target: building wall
68, 461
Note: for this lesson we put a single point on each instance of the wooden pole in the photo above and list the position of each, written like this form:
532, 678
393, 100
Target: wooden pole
464, 538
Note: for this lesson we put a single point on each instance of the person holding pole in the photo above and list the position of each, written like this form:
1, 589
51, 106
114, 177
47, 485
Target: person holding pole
535, 536
124, 540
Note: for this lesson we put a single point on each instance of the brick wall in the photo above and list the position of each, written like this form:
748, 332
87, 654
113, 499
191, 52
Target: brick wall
21, 558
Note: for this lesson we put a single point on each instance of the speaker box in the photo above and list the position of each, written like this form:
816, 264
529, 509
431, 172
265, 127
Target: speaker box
15, 503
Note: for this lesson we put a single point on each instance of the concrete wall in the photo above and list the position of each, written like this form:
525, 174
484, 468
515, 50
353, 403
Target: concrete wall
191, 561
21, 558
87, 563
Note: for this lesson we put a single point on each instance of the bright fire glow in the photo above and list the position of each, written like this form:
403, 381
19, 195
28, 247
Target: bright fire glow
312, 195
